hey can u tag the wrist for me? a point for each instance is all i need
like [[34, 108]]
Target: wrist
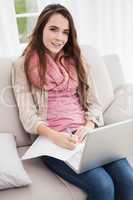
[[48, 132], [90, 124], [52, 135]]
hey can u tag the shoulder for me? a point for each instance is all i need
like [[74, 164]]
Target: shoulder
[[18, 63], [17, 69]]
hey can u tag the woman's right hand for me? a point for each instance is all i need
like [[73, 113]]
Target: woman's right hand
[[65, 140]]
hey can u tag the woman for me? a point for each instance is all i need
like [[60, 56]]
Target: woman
[[56, 95]]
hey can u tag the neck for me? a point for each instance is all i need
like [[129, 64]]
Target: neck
[[54, 56]]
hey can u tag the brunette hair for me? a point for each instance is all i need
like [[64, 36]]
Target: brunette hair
[[71, 49]]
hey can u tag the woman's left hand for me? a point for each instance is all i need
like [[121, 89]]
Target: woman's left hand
[[81, 131], [90, 124]]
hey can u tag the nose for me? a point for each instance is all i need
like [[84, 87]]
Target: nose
[[59, 36]]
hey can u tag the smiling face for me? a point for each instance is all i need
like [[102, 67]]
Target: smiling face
[[55, 34]]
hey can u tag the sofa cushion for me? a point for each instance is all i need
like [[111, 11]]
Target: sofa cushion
[[122, 106], [12, 173], [45, 184], [9, 113], [100, 75]]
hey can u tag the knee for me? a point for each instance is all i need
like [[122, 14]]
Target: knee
[[103, 188], [106, 187], [125, 174], [126, 179]]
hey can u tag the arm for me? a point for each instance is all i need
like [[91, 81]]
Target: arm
[[28, 113]]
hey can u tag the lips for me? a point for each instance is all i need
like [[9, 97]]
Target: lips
[[57, 44]]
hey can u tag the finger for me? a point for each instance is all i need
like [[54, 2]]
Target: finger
[[73, 138], [71, 146], [80, 135], [80, 138], [78, 131]]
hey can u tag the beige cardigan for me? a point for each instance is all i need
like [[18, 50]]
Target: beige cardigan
[[32, 104]]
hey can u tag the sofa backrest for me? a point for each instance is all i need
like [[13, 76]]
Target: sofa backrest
[[114, 68], [100, 76], [9, 119]]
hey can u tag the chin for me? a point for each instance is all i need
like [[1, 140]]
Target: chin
[[55, 52]]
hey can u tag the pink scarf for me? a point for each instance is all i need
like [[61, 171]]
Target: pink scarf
[[58, 77]]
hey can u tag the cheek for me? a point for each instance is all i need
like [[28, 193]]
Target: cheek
[[44, 37], [47, 36]]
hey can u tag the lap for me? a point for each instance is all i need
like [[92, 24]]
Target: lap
[[95, 177]]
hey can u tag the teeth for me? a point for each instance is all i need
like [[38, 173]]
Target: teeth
[[56, 44]]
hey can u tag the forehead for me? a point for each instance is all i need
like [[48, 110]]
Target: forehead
[[59, 21]]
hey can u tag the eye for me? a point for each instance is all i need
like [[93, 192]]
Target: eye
[[66, 33], [53, 29]]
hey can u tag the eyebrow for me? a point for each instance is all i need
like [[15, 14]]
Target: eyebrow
[[53, 26]]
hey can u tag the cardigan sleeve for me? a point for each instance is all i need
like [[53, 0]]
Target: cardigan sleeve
[[28, 112], [94, 112]]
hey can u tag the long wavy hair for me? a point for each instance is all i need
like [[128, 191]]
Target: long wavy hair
[[71, 49]]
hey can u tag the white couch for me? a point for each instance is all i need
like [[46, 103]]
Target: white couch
[[45, 184]]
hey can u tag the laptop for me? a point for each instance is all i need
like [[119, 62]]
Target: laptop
[[104, 145]]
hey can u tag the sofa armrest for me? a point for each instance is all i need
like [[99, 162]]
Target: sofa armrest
[[122, 106]]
